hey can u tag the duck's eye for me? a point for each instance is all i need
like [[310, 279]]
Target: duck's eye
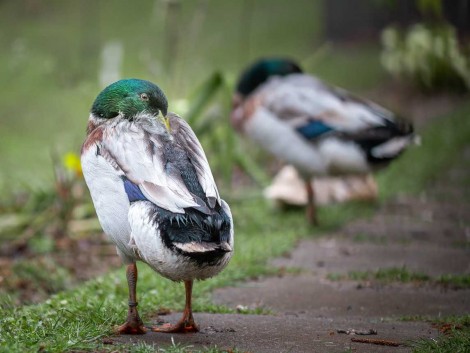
[[144, 96]]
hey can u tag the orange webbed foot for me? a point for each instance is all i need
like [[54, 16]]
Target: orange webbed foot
[[131, 328], [180, 327]]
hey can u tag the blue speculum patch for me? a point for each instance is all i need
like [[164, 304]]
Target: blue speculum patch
[[133, 191], [313, 129]]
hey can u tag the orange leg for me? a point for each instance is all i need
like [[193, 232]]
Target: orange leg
[[133, 324], [311, 209], [186, 323]]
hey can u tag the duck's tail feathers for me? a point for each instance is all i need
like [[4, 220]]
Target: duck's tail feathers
[[393, 147], [401, 136], [203, 247], [401, 126]]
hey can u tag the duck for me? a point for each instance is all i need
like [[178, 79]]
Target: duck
[[154, 194], [319, 129]]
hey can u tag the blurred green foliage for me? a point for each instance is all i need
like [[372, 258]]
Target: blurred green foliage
[[429, 56], [433, 7], [53, 54]]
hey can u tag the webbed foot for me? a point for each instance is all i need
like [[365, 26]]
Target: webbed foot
[[131, 328], [185, 325], [180, 327], [133, 324]]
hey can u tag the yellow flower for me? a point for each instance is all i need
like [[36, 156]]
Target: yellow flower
[[71, 162]]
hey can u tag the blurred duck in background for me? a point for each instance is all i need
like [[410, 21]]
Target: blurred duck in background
[[319, 129]]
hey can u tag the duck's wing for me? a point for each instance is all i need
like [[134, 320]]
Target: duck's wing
[[136, 151], [313, 108], [186, 138]]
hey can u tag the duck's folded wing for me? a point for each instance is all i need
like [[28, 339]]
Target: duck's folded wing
[[314, 109], [186, 138], [137, 156]]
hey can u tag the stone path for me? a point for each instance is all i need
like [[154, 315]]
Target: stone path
[[429, 234]]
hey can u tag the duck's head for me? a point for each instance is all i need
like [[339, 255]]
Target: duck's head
[[259, 72], [253, 77], [127, 98]]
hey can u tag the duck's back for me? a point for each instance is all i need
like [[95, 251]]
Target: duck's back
[[299, 98], [322, 129]]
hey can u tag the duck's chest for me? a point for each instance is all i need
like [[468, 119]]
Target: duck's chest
[[108, 195]]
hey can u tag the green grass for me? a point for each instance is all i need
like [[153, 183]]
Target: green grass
[[455, 337], [385, 275], [403, 275], [441, 147], [454, 281], [400, 275], [457, 342], [43, 275]]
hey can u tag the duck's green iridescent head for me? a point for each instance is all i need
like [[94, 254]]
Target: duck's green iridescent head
[[261, 70], [130, 97]]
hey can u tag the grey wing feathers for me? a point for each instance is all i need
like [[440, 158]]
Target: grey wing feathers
[[185, 136], [134, 153], [298, 98]]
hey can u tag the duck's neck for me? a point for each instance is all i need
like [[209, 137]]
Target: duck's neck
[[93, 123]]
